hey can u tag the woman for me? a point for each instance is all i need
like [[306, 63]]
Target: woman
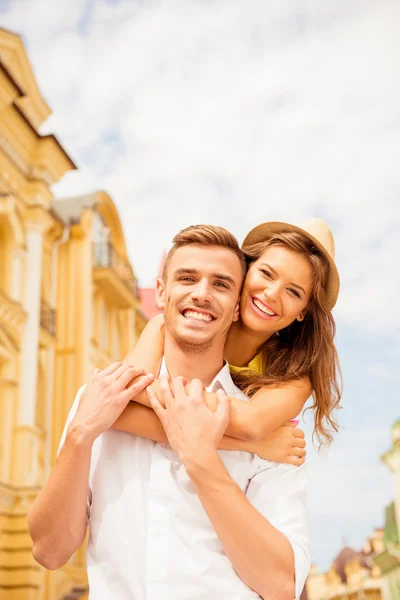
[[282, 346]]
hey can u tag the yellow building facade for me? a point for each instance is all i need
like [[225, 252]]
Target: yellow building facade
[[68, 304]]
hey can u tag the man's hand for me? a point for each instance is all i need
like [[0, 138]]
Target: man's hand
[[284, 445], [193, 430], [106, 396]]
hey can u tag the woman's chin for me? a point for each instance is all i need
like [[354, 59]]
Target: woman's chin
[[257, 325]]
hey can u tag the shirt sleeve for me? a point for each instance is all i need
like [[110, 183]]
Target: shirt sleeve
[[278, 492], [71, 415]]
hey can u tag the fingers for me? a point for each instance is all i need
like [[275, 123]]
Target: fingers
[[166, 390], [196, 390], [295, 460], [111, 368], [143, 382], [224, 407], [299, 433], [178, 387], [127, 375], [299, 443], [155, 404], [299, 452], [95, 372]]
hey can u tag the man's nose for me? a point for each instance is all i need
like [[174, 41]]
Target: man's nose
[[202, 291]]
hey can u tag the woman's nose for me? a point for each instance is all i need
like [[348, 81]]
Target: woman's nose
[[272, 291]]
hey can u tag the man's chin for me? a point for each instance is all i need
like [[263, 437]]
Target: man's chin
[[193, 342]]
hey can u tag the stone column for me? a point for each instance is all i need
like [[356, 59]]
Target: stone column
[[30, 340], [27, 440]]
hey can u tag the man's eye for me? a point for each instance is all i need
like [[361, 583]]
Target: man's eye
[[186, 279], [221, 284]]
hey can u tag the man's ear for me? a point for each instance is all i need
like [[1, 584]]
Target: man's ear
[[160, 293], [237, 311]]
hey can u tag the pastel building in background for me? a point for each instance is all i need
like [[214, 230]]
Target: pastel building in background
[[353, 574], [389, 560], [148, 295], [373, 572], [68, 303]]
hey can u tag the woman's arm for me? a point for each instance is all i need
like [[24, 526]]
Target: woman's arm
[[286, 445], [257, 418], [267, 410], [252, 420], [148, 351]]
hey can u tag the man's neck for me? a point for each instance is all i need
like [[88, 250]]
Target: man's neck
[[193, 365]]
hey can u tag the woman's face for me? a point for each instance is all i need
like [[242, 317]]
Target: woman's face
[[276, 290]]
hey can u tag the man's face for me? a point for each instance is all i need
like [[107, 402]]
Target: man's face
[[200, 296]]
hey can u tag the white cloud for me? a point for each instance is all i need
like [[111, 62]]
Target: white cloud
[[264, 113]]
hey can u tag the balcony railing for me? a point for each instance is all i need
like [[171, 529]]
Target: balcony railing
[[47, 317], [105, 256]]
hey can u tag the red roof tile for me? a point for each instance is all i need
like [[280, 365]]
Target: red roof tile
[[148, 302]]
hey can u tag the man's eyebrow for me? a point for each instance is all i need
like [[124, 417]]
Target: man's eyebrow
[[222, 276], [296, 285], [183, 271]]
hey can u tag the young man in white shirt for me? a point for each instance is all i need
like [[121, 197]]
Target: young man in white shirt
[[180, 521]]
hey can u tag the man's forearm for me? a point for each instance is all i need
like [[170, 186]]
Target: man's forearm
[[261, 555], [57, 519]]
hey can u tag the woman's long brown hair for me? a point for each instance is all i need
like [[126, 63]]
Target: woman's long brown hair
[[303, 349]]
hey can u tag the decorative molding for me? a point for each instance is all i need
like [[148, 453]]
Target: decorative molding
[[13, 154], [13, 317]]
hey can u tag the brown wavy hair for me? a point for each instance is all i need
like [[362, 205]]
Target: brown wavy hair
[[303, 349]]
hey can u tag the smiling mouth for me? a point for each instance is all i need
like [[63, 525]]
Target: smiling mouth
[[196, 315], [268, 312]]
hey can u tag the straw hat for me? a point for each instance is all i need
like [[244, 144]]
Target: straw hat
[[318, 232]]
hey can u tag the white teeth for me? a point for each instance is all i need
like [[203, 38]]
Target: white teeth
[[263, 309], [191, 314]]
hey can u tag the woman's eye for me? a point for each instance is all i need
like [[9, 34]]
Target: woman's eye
[[295, 292], [266, 273]]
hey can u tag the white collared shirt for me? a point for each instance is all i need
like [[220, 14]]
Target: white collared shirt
[[150, 537]]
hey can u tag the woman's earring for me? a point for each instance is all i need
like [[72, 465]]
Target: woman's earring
[[300, 318]]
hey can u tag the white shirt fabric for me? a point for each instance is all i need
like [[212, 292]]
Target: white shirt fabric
[[150, 537]]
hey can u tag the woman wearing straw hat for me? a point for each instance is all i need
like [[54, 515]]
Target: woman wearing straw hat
[[281, 351]]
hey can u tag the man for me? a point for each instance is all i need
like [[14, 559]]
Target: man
[[180, 521]]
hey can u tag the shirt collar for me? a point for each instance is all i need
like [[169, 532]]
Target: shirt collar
[[222, 380]]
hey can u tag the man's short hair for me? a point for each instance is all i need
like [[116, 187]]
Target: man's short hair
[[205, 235]]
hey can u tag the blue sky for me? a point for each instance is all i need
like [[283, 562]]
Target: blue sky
[[219, 111]]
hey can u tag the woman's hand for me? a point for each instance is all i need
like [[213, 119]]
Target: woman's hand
[[284, 445]]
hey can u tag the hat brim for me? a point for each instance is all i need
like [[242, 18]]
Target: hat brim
[[263, 232]]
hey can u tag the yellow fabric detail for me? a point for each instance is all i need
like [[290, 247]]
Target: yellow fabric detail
[[256, 365]]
